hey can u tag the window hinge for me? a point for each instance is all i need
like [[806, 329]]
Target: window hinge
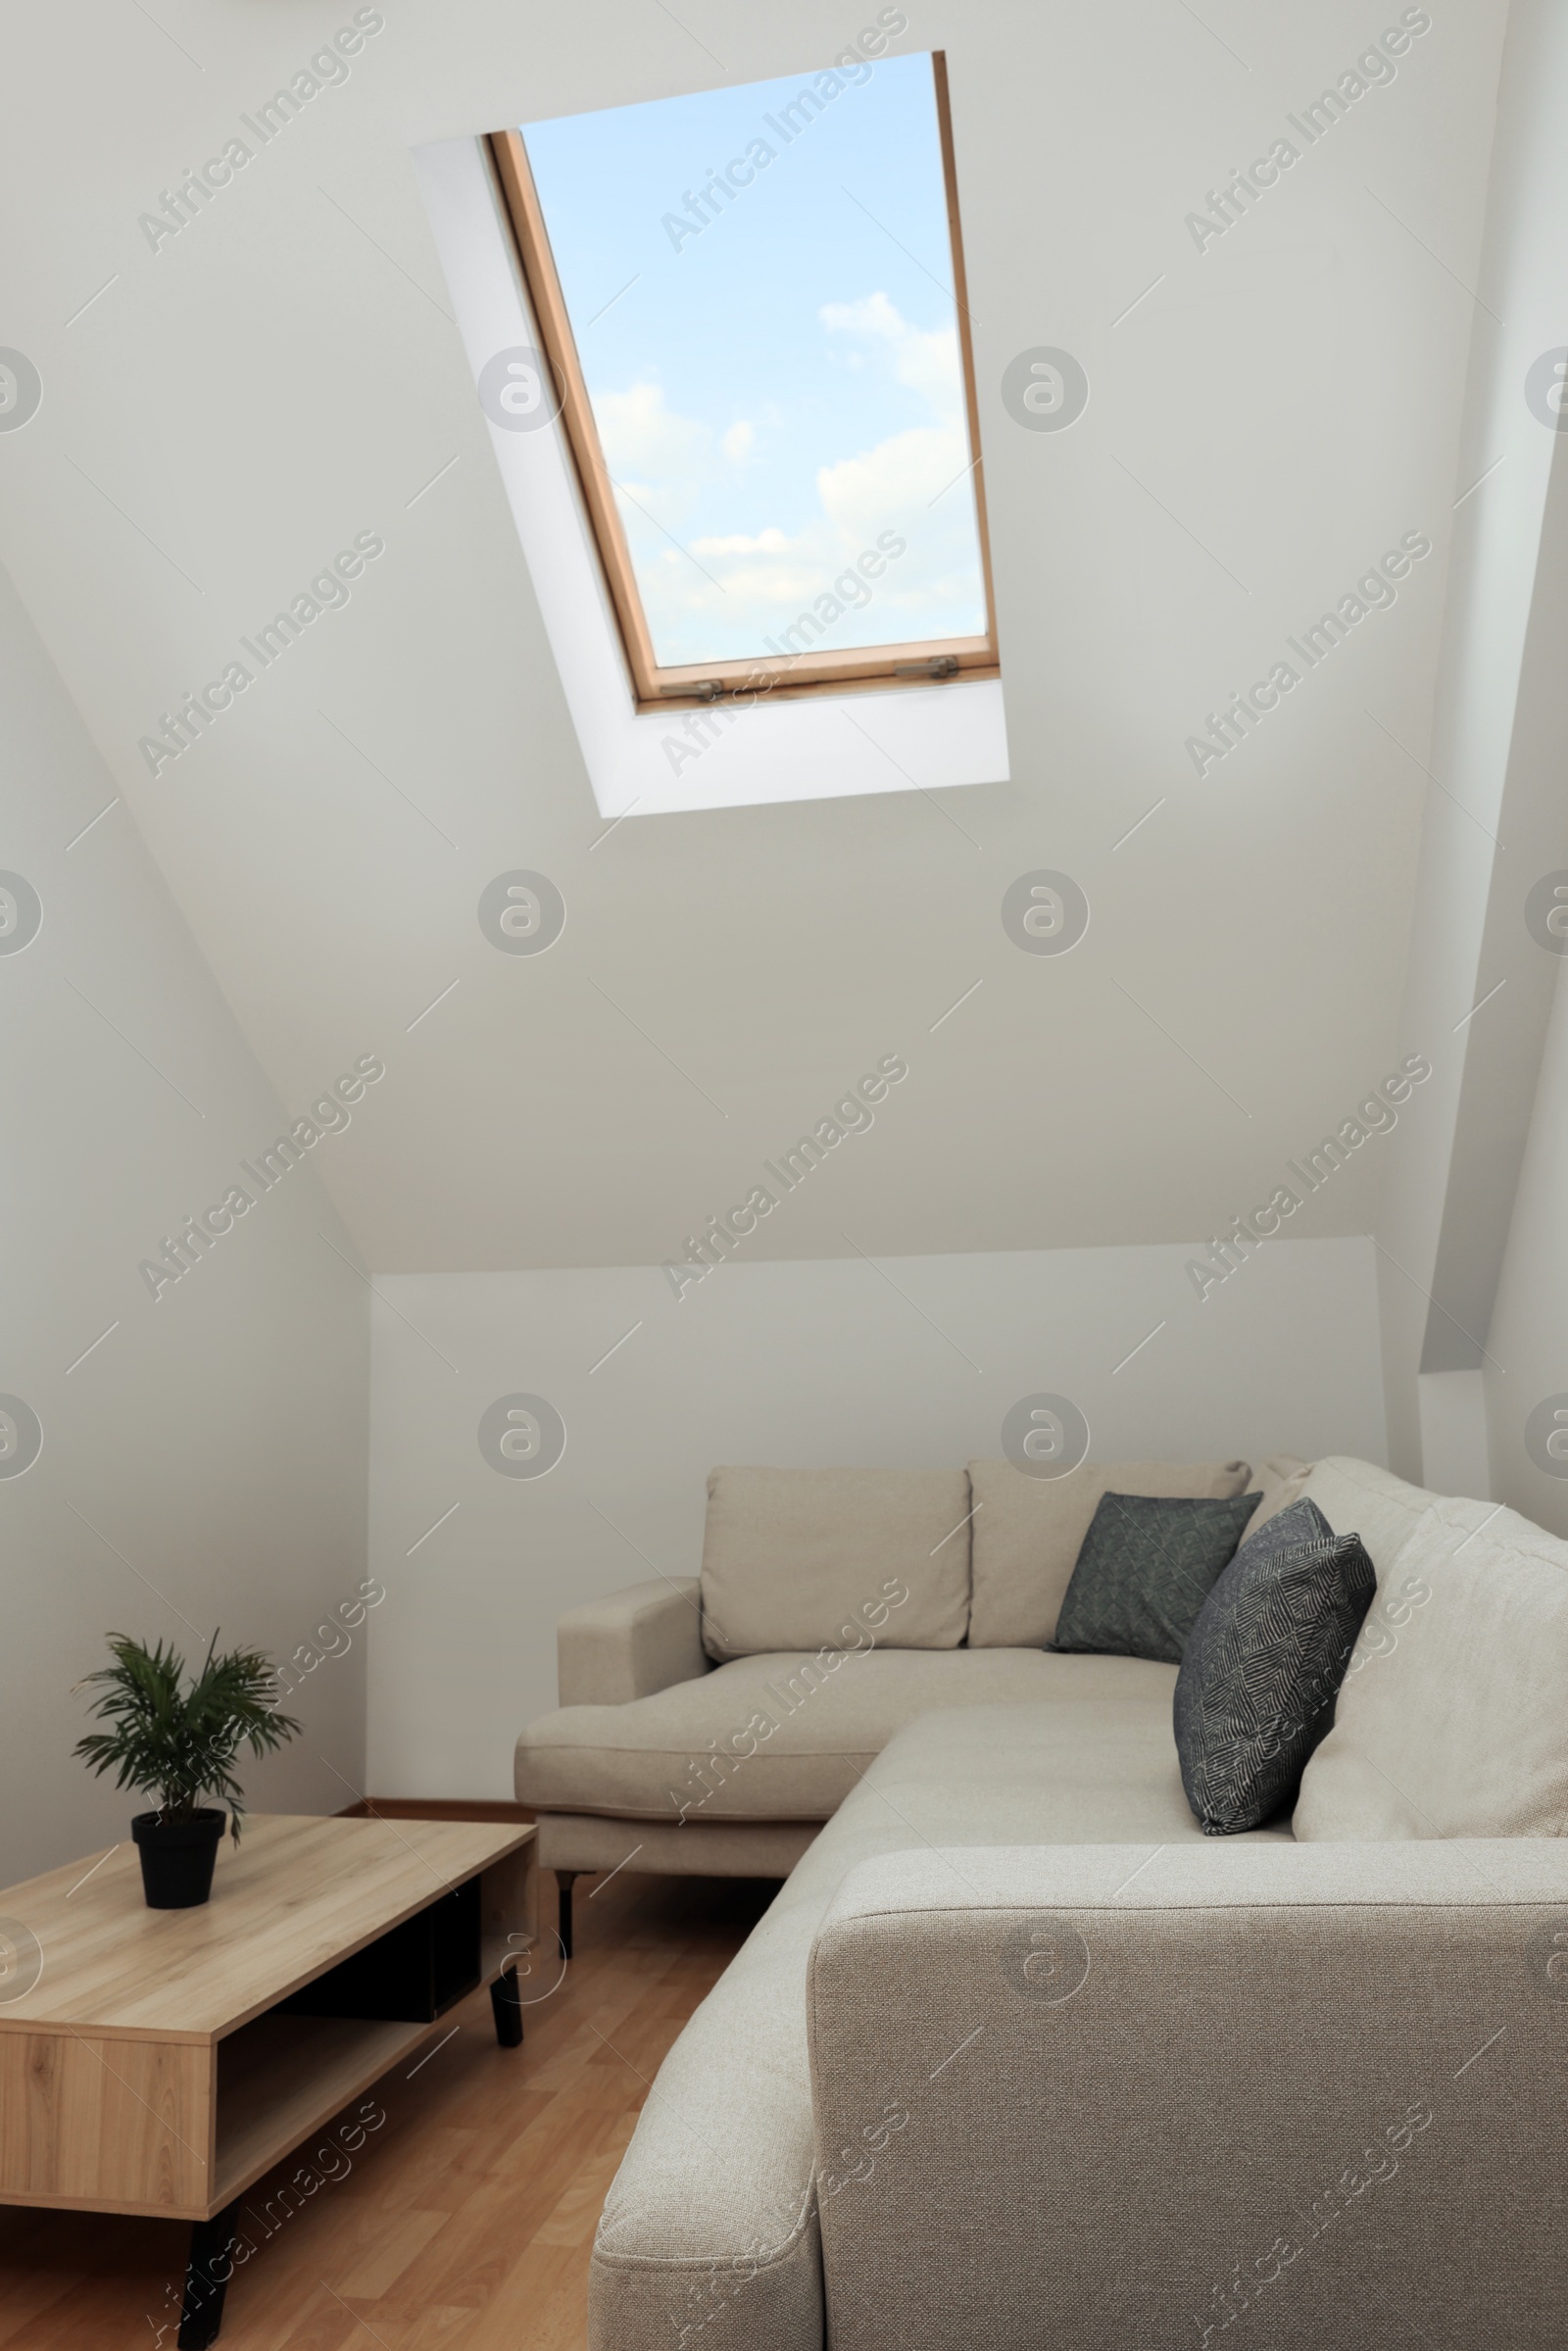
[[940, 665]]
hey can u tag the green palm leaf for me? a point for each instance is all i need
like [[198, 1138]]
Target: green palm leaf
[[180, 1744]]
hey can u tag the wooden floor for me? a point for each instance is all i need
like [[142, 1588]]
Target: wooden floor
[[466, 2220]]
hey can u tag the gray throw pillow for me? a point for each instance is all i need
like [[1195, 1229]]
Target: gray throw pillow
[[1146, 1567], [1263, 1670]]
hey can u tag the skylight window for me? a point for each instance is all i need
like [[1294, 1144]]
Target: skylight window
[[753, 303]]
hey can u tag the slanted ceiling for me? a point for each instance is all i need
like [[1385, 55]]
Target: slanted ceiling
[[1271, 408]]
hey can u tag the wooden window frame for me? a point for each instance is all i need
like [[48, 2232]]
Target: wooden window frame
[[862, 668]]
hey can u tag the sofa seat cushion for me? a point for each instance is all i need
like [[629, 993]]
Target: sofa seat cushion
[[1103, 1771], [1028, 1533], [787, 1737], [806, 1559], [1452, 1721], [716, 2183]]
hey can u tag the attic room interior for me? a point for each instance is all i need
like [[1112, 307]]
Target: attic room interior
[[784, 1411]]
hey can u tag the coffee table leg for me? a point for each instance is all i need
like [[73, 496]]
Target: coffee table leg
[[507, 2006], [212, 2265]]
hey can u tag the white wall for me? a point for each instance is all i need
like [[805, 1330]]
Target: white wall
[[203, 1466], [1497, 818], [1527, 1345], [1456, 1455], [909, 1361]]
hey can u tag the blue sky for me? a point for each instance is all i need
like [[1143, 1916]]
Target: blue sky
[[781, 388]]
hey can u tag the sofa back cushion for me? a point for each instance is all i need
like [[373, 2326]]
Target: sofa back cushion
[[1028, 1533], [1451, 1719], [1280, 1482], [1356, 1498], [835, 1560]]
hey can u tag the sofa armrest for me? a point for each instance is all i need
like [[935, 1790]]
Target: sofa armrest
[[1091, 2095], [631, 1643]]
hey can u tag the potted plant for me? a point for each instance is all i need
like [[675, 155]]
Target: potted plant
[[178, 1745]]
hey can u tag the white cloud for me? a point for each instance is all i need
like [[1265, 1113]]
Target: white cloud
[[901, 476], [736, 588], [926, 363], [650, 440], [767, 542]]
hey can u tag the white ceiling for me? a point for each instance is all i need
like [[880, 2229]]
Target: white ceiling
[[1276, 411]]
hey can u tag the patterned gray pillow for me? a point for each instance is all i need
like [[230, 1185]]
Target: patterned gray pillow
[[1263, 1670], [1146, 1567]]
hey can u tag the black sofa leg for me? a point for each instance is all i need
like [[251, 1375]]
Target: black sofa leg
[[564, 1879], [211, 2264], [506, 2005]]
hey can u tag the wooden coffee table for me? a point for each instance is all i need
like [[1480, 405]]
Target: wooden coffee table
[[160, 2061]]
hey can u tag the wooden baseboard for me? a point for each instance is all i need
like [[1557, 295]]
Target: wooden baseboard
[[435, 1808]]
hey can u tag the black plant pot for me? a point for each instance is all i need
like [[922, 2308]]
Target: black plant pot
[[177, 1858]]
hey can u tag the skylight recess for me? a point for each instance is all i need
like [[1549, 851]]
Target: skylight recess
[[753, 305]]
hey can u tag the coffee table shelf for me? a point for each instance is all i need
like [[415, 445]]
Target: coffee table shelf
[[281, 2078]]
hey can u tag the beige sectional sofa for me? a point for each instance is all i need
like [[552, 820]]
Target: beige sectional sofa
[[711, 1724], [1017, 2056]]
